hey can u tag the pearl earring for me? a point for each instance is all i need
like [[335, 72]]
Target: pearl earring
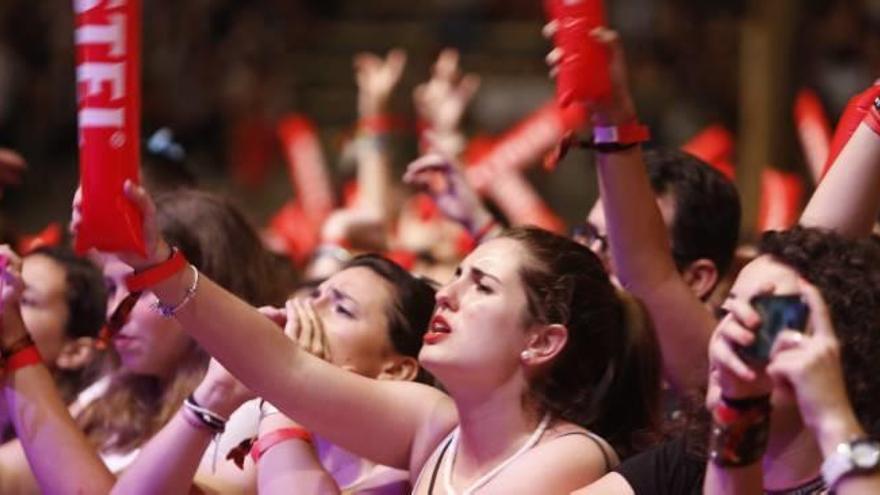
[[527, 354]]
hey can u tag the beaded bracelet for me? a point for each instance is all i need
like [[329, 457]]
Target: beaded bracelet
[[168, 311]]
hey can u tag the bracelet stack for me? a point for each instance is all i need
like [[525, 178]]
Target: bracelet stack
[[204, 418], [740, 429], [140, 281]]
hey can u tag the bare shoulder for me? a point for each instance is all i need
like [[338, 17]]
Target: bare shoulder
[[567, 458], [610, 484]]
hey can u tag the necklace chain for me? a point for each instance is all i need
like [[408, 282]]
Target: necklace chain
[[479, 483]]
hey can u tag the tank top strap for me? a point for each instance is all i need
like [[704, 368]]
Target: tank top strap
[[437, 456], [600, 442]]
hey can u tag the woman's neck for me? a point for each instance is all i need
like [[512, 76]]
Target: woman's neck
[[493, 426]]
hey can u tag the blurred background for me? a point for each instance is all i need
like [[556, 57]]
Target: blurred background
[[220, 73]]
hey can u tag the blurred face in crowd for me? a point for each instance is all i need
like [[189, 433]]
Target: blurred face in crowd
[[352, 306], [147, 343], [44, 304], [595, 231]]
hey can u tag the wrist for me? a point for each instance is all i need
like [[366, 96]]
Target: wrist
[[615, 114], [370, 107], [275, 421], [835, 429], [220, 399]]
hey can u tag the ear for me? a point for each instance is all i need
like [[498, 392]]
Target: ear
[[543, 344], [701, 276], [76, 353], [397, 367]]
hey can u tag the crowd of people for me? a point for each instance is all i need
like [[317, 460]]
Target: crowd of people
[[644, 353]]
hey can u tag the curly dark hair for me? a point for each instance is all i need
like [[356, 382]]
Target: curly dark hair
[[707, 207], [607, 378], [847, 273]]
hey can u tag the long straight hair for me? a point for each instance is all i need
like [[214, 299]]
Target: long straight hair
[[217, 239]]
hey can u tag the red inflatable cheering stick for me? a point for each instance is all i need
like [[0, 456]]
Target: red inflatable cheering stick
[[583, 69], [107, 42]]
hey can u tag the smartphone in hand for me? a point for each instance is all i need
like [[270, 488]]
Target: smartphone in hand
[[777, 313]]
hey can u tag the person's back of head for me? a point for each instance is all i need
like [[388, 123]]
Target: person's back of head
[[847, 273], [707, 207], [607, 377], [218, 240]]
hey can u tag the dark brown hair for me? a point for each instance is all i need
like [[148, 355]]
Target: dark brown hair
[[409, 313], [607, 378], [218, 240], [86, 298]]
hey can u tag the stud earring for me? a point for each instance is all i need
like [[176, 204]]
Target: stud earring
[[527, 354]]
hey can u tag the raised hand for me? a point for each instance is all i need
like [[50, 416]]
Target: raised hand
[[442, 100], [11, 283], [376, 78], [619, 108], [444, 181], [306, 328], [301, 324], [735, 378], [809, 364]]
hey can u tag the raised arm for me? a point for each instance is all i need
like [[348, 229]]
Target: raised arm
[[60, 457], [848, 198], [640, 245], [405, 419], [441, 103], [376, 79]]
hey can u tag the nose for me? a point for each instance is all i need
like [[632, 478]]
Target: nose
[[447, 297]]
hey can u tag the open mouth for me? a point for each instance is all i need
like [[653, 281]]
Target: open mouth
[[438, 330]]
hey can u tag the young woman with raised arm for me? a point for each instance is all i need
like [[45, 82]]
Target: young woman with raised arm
[[528, 339]]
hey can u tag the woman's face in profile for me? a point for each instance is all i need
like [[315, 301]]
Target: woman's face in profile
[[478, 329], [353, 306], [762, 276], [147, 344]]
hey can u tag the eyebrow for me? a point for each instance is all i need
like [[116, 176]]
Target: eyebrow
[[480, 273], [338, 294]]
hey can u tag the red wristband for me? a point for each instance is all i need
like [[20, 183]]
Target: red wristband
[[269, 440], [137, 282], [872, 118], [28, 356], [378, 124]]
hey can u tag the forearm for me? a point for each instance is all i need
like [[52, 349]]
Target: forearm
[[374, 175], [326, 399], [637, 235], [643, 263], [168, 462], [291, 463], [848, 198], [61, 458], [733, 481]]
